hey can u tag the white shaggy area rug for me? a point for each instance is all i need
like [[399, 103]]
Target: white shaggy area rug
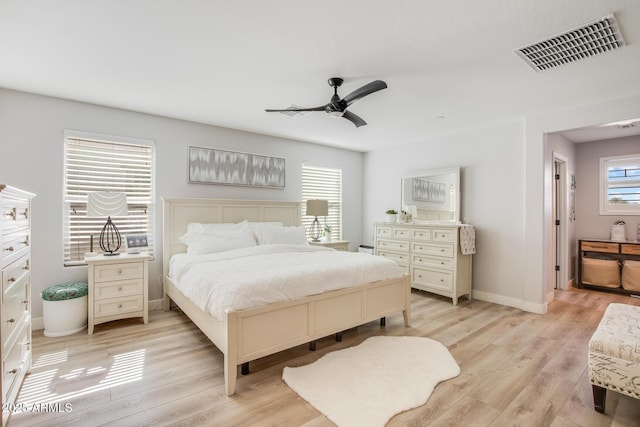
[[368, 384]]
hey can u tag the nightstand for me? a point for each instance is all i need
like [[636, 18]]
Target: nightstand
[[118, 288], [340, 245]]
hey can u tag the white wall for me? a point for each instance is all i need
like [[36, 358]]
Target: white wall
[[590, 223], [31, 136], [492, 199]]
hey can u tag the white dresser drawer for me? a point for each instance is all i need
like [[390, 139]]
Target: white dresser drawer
[[423, 234], [14, 245], [401, 259], [121, 288], [15, 271], [384, 232], [401, 233], [15, 308], [118, 306], [444, 250], [15, 364], [15, 213], [121, 271], [437, 279], [427, 261], [445, 235], [393, 245]]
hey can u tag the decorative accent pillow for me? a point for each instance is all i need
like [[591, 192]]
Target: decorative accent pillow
[[283, 235], [207, 243]]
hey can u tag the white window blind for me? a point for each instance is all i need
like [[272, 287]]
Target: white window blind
[[97, 165], [324, 184]]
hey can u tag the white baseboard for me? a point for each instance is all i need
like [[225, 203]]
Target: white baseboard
[[510, 302], [37, 323]]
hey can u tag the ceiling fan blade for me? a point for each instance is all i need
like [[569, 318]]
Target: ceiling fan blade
[[321, 108], [354, 118], [364, 91]]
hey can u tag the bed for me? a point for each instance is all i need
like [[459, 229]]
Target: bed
[[248, 334]]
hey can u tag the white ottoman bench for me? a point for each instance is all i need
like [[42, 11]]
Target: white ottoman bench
[[614, 354]]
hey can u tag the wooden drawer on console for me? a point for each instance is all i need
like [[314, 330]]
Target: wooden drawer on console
[[15, 307], [15, 213], [606, 247], [629, 249]]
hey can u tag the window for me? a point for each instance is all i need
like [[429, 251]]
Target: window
[[620, 185], [325, 184], [98, 163]]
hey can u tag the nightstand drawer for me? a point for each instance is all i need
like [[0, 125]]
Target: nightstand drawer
[[118, 306], [122, 271], [121, 288]]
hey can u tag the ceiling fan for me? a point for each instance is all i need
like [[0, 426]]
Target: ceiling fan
[[338, 107]]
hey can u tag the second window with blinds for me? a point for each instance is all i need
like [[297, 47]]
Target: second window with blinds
[[325, 184], [103, 163]]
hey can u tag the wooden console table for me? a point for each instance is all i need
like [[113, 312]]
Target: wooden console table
[[606, 250]]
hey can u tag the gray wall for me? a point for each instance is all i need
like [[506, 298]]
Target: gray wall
[[589, 222], [31, 136]]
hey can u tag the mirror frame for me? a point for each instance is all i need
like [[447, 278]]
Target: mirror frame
[[432, 172]]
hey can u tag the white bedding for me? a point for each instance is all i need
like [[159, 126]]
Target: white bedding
[[251, 277]]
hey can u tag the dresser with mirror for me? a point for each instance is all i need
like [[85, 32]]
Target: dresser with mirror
[[427, 242]]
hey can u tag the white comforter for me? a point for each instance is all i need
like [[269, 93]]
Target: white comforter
[[251, 277]]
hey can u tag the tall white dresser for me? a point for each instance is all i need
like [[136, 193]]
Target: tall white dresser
[[15, 260], [430, 254]]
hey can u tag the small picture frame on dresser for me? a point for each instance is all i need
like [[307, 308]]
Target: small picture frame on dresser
[[136, 243]]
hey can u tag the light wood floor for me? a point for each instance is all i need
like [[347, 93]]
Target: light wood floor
[[518, 369]]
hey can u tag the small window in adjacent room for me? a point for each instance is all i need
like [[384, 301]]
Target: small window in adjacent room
[[324, 184], [104, 163], [620, 185]]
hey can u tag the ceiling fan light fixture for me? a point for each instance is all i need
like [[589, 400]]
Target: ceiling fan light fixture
[[336, 113]]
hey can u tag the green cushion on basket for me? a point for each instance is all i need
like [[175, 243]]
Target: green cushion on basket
[[65, 291]]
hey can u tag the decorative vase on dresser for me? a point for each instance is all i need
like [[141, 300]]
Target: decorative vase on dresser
[[15, 235], [430, 253]]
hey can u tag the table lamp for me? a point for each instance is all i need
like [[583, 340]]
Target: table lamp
[[106, 203], [316, 208]]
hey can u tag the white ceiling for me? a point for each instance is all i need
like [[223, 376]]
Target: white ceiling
[[450, 66]]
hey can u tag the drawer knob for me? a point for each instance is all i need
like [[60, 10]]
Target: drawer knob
[[9, 249], [11, 213], [11, 320], [11, 279], [119, 288], [441, 263], [26, 301], [119, 305], [442, 250], [119, 271], [13, 371]]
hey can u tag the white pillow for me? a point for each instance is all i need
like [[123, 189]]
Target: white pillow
[[260, 227], [215, 227], [283, 235], [207, 243]]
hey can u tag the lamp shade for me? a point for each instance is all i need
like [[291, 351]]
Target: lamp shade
[[107, 203], [317, 207]]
